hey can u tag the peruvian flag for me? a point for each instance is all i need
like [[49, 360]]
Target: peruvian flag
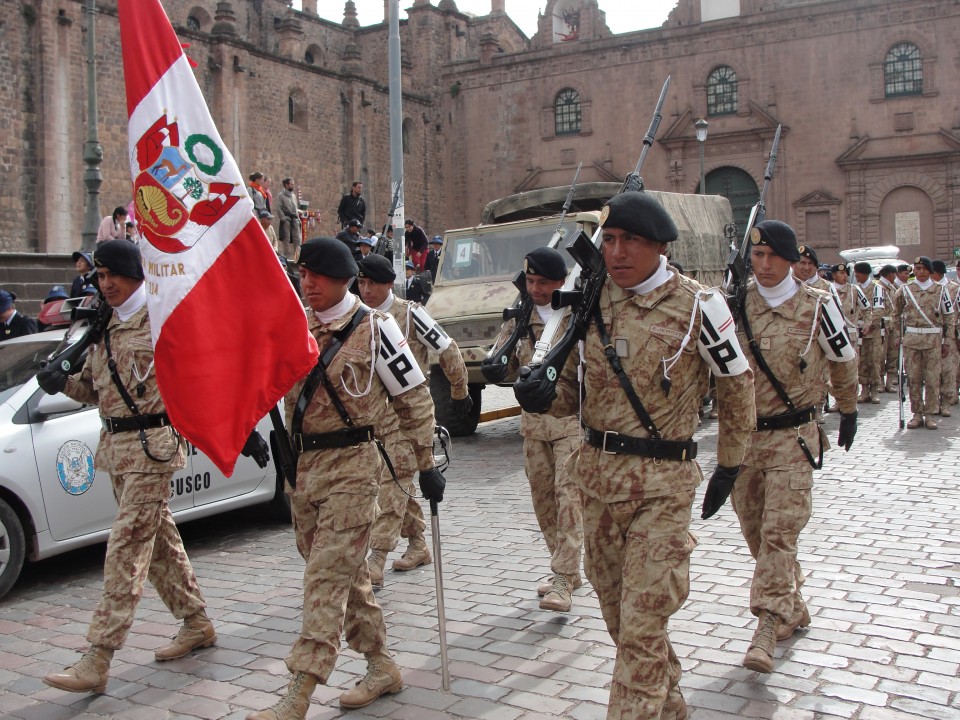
[[229, 333]]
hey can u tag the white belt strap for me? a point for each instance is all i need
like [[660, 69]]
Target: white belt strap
[[923, 331]]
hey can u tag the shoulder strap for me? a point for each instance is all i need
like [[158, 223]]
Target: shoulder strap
[[115, 376], [762, 364], [913, 300], [319, 374]]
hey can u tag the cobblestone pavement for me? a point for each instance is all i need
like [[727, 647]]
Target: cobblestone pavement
[[881, 553]]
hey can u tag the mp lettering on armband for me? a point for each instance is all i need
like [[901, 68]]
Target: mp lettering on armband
[[718, 342], [862, 299], [395, 365], [833, 337], [947, 303], [879, 297], [429, 330]]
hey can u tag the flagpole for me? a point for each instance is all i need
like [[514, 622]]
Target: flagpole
[[396, 146], [92, 150]]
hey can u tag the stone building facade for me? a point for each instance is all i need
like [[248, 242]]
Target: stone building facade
[[865, 91]]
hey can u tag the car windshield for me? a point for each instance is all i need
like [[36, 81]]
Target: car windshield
[[491, 253], [20, 361]]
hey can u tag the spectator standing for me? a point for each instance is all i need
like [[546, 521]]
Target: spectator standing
[[113, 227], [415, 241], [350, 236], [258, 193], [84, 264], [433, 256], [352, 206], [366, 245], [266, 223], [288, 208], [12, 323], [415, 290]]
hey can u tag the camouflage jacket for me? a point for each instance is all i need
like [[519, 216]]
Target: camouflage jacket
[[132, 349], [873, 309], [935, 304]]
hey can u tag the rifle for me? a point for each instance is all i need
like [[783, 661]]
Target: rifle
[[494, 365], [536, 387], [283, 448], [93, 319], [738, 265], [900, 381]]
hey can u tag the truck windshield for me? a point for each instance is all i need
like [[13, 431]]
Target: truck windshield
[[494, 253]]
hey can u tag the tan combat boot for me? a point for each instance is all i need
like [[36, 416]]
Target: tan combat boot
[[944, 409], [293, 705], [915, 422], [547, 585], [800, 619], [930, 423], [197, 632], [383, 676], [375, 563], [415, 556], [864, 395], [759, 656], [559, 599], [675, 708], [875, 394], [88, 674]]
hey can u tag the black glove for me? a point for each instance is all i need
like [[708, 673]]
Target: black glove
[[534, 396], [463, 406], [718, 490], [257, 448], [848, 430], [432, 484], [52, 380]]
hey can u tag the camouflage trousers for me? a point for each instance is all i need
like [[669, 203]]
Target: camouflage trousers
[[773, 506], [923, 379], [891, 351], [556, 500], [333, 536], [395, 496], [638, 561], [144, 544], [949, 364], [871, 361]]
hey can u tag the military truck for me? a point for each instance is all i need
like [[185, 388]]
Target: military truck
[[473, 284]]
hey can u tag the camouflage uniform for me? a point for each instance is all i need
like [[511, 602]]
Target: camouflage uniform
[[144, 542], [400, 511], [950, 354], [772, 495], [873, 300], [890, 362], [335, 502], [636, 509], [547, 444], [923, 341]]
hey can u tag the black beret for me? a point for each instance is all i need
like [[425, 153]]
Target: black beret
[[639, 213], [939, 266], [887, 270], [925, 261], [840, 267], [121, 257], [862, 267], [546, 262], [327, 256], [808, 252], [778, 236], [903, 266], [377, 268]]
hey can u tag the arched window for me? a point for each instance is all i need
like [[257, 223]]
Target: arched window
[[903, 71], [738, 187], [313, 55], [721, 91], [193, 23], [297, 108], [567, 112], [199, 20]]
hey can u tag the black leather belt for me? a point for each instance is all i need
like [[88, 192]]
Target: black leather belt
[[786, 420], [615, 443], [134, 422], [336, 439]]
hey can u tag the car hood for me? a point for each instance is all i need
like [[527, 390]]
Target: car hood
[[449, 302]]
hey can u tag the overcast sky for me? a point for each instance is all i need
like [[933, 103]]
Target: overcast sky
[[622, 15]]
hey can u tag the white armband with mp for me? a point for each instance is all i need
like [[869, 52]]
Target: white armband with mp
[[396, 366], [429, 330], [833, 336], [718, 342]]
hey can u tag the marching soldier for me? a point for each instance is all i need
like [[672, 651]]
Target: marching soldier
[[140, 450], [903, 275], [890, 366], [950, 355], [548, 442], [851, 305], [795, 335], [928, 317], [658, 334], [873, 308], [805, 270], [332, 414], [400, 513]]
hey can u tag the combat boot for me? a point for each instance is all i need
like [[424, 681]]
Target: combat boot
[[759, 657], [88, 674], [864, 395], [375, 565], [800, 619], [915, 422], [196, 632], [293, 705], [383, 676], [559, 599], [675, 708], [944, 409], [930, 423], [875, 394], [415, 556], [545, 587]]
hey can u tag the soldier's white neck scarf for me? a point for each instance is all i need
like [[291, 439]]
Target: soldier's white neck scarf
[[925, 284], [337, 311], [812, 280], [659, 277], [781, 292], [387, 303], [867, 283], [132, 304], [942, 281], [545, 312]]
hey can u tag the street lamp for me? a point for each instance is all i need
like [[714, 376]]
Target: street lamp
[[701, 128]]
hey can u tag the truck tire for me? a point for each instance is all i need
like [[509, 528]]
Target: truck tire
[[13, 548], [443, 406]]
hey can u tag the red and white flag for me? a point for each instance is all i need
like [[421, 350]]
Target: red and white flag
[[230, 335]]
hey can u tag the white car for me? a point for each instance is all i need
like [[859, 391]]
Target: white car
[[52, 500]]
